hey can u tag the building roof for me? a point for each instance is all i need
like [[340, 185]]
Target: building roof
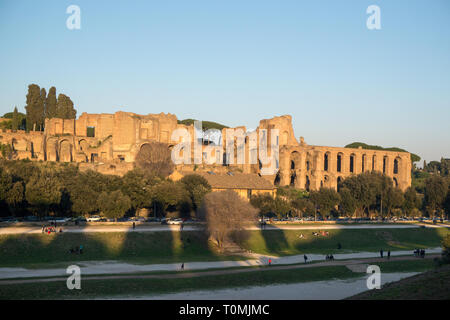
[[235, 180]]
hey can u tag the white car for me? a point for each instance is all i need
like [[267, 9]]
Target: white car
[[174, 221], [93, 219]]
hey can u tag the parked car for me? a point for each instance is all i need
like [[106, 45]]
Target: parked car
[[61, 220], [93, 219], [175, 221]]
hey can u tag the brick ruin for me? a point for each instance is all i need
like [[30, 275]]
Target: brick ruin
[[109, 143]]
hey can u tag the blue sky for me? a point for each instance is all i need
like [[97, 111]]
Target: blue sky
[[236, 62]]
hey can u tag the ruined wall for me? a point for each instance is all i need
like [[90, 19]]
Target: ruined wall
[[111, 143]]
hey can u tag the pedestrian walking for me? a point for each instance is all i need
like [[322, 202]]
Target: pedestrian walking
[[389, 254], [182, 266], [134, 225], [81, 249], [305, 257], [381, 253], [270, 262]]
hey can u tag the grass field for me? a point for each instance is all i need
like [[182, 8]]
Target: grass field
[[288, 242], [123, 287], [136, 287], [431, 285], [36, 250], [161, 247]]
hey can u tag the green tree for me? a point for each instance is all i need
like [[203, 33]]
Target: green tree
[[393, 199], [302, 207], [114, 204], [197, 187], [51, 110], [411, 202], [348, 203], [33, 107], [325, 200], [15, 119], [436, 189], [137, 187], [169, 194], [15, 196], [65, 109], [43, 192]]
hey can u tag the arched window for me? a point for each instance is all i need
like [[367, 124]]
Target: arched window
[[395, 166], [395, 182], [307, 183], [374, 160], [339, 163], [292, 164], [307, 165], [352, 163], [325, 162], [277, 180], [384, 163], [363, 163], [293, 180]]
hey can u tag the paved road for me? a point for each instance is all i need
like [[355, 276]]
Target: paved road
[[175, 228], [347, 263]]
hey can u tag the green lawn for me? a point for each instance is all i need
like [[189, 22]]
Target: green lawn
[[432, 285], [41, 250], [36, 250], [136, 287], [124, 287], [288, 242]]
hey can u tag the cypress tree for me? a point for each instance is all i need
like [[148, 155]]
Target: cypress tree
[[50, 104], [15, 119], [33, 97], [41, 110], [65, 109]]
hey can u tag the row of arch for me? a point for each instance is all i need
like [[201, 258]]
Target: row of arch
[[352, 163]]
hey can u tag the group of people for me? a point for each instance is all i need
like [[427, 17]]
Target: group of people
[[388, 254], [419, 253], [329, 257], [77, 250], [320, 233]]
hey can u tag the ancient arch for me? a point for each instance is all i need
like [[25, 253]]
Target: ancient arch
[[284, 138], [326, 161], [396, 164], [65, 151], [339, 162], [363, 162], [277, 179], [352, 163], [385, 164], [295, 160], [374, 161], [395, 182]]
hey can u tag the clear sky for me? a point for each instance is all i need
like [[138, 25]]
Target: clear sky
[[239, 61]]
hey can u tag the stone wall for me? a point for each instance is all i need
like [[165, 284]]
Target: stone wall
[[111, 142]]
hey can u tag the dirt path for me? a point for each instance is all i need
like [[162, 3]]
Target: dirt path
[[182, 275]]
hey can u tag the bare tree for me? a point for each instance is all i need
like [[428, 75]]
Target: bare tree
[[226, 213], [154, 159]]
